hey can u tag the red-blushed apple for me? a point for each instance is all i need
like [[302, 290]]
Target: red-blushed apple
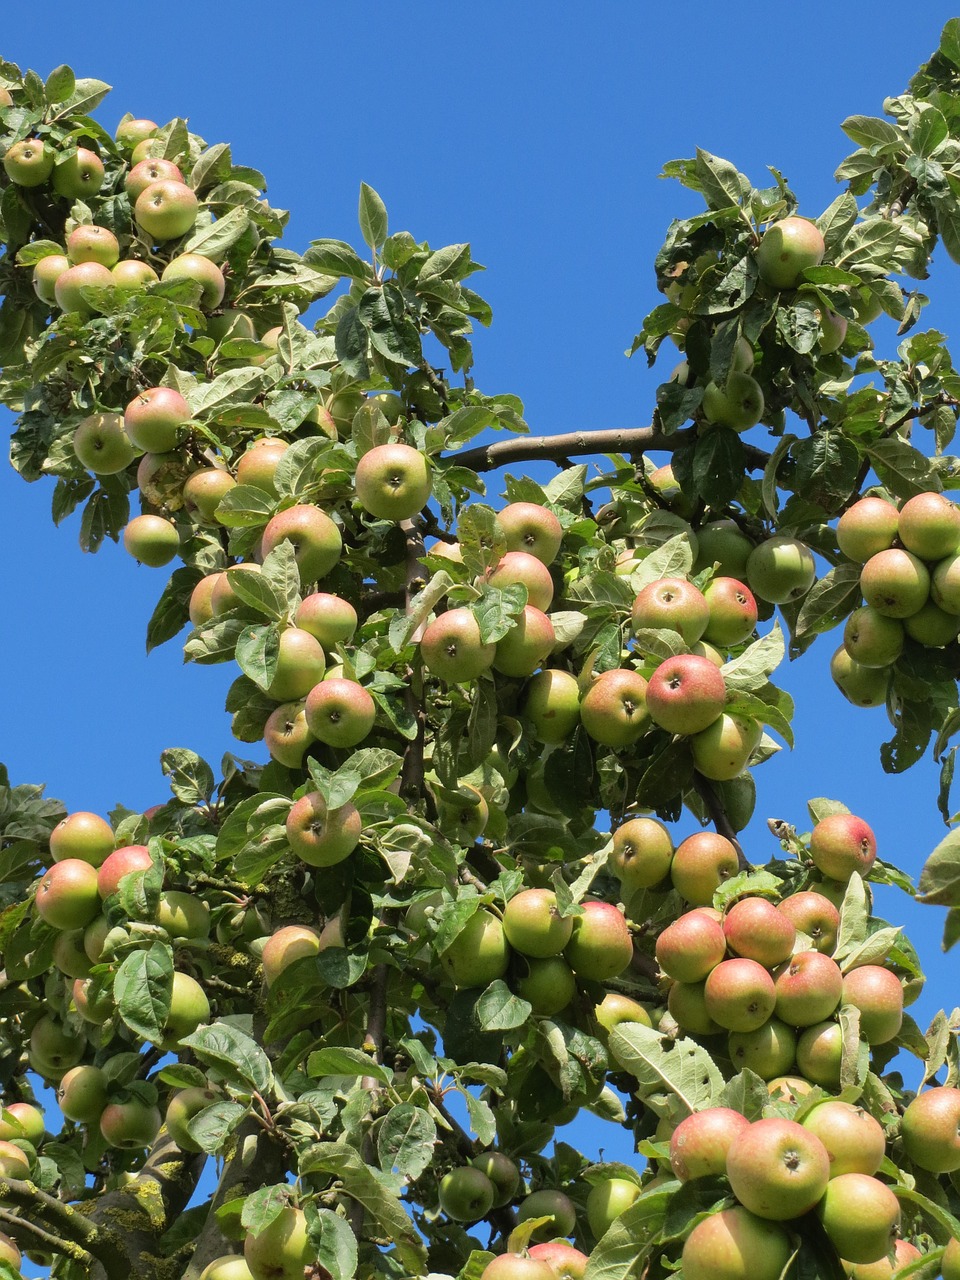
[[200, 609], [685, 694], [700, 865], [781, 569], [14, 1161], [8, 1248], [769, 1050], [130, 132], [257, 466], [79, 176], [903, 1254], [340, 712], [22, 1122], [204, 490], [600, 946], [872, 639], [223, 598], [67, 895], [950, 1263], [641, 855], [315, 539], [690, 947], [92, 1002], [301, 663], [866, 528], [673, 604], [722, 751], [479, 953], [530, 527], [82, 835], [392, 481], [895, 582], [465, 820], [552, 705], [527, 645], [854, 1140], [565, 1261], [119, 863], [151, 540], [700, 1142], [70, 284], [452, 648], [54, 1047], [739, 994], [89, 243], [860, 1214], [613, 710], [195, 267], [820, 1052], [533, 924], [755, 928], [515, 1266], [877, 993], [929, 526], [320, 836], [808, 987], [330, 618], [146, 172], [166, 209], [28, 163], [102, 445], [154, 417], [520, 567], [930, 1129], [287, 735], [46, 273], [816, 916], [734, 1244], [777, 1169], [842, 843], [787, 248], [733, 612], [287, 945], [788, 1089]]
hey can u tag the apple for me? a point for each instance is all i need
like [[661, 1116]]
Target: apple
[[527, 645], [314, 537], [182, 1107], [79, 176], [67, 895], [734, 1244], [895, 582], [860, 1214], [758, 930], [452, 648], [552, 705], [808, 987], [514, 1266], [92, 1004], [778, 1169], [833, 326], [723, 750], [685, 694], [781, 569], [281, 1250], [700, 865], [877, 993], [161, 477], [464, 820], [146, 172], [69, 955], [82, 1094], [189, 1007], [616, 1008], [929, 526], [119, 863], [566, 1262], [732, 612], [82, 835], [533, 528], [479, 953], [950, 1262], [229, 1266], [860, 685], [102, 445], [392, 481], [722, 545], [553, 1204], [819, 1052], [739, 994], [548, 985], [166, 210], [14, 1162], [300, 665], [866, 528], [329, 618], [842, 843], [90, 243], [789, 1089], [182, 914], [23, 1122], [872, 639], [690, 947], [230, 324], [466, 1194], [287, 735], [130, 132], [816, 916], [319, 836], [769, 1050], [854, 1140], [600, 945], [69, 286], [787, 248], [151, 540], [502, 1172], [738, 404], [673, 604], [46, 274], [904, 1253], [944, 583], [521, 568], [204, 490], [28, 163], [613, 710], [223, 598], [200, 608], [284, 947], [700, 1142], [153, 418], [932, 627], [8, 1248], [340, 712], [686, 1002], [930, 1129], [54, 1047], [95, 938], [607, 1200], [195, 267], [664, 482], [641, 855], [533, 924]]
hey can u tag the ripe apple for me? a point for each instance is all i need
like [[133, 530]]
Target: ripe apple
[[146, 172], [514, 1266], [392, 481], [723, 545], [28, 163], [819, 1052], [641, 855], [466, 1194], [613, 711], [121, 862], [690, 947], [566, 1262], [548, 985], [14, 1161], [287, 735], [93, 1004], [195, 267], [166, 210], [452, 648], [778, 1169], [809, 987], [673, 604], [530, 527], [22, 1122], [153, 418], [151, 540], [527, 645], [739, 994], [737, 404], [182, 914], [854, 1140], [930, 1129], [200, 608], [552, 705], [69, 286], [600, 946], [816, 916], [860, 1215], [866, 528], [732, 612], [281, 1250], [79, 176], [502, 1172], [90, 243], [46, 274], [929, 526], [700, 865], [314, 537], [904, 1253], [479, 953], [755, 928], [82, 835], [700, 1142], [944, 583], [768, 1051], [182, 1107], [340, 712], [607, 1200], [895, 582], [685, 694], [842, 843], [877, 993], [329, 618], [519, 567], [734, 1244], [781, 569], [787, 248], [533, 924], [67, 895], [284, 947], [872, 639], [723, 750], [258, 465], [189, 1007], [102, 445], [319, 836], [82, 1094]]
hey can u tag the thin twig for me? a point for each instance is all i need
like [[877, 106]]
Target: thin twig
[[718, 816]]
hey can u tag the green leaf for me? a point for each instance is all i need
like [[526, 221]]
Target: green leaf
[[232, 1054], [720, 183], [211, 1127], [750, 671], [403, 625], [61, 84], [674, 559], [718, 465], [829, 600], [344, 1061], [246, 506], [405, 1142], [264, 1206], [258, 651], [215, 240], [940, 877], [86, 95], [498, 1009], [902, 468], [383, 313], [872, 132], [337, 258], [333, 1241], [191, 778], [666, 1069], [171, 613], [373, 217], [498, 609], [142, 989]]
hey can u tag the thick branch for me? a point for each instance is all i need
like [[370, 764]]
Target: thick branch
[[29, 1233], [633, 441], [718, 816]]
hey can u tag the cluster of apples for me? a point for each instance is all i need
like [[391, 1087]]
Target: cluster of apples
[[910, 582]]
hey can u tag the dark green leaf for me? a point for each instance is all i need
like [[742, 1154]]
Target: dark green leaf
[[373, 217], [142, 989]]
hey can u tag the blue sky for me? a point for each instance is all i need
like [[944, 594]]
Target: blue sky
[[537, 133]]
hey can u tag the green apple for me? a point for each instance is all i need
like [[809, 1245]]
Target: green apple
[[895, 582], [82, 1094], [28, 163], [866, 528], [466, 1194], [533, 924], [452, 648], [46, 274], [82, 835], [281, 1250], [769, 1050], [738, 404], [393, 481], [319, 836], [700, 865], [863, 686], [195, 267], [600, 945], [102, 445], [479, 953], [930, 1129], [787, 248], [145, 173], [854, 1140], [79, 176], [527, 645], [723, 750], [552, 705], [860, 1214], [533, 528], [151, 540], [780, 569], [871, 638], [724, 545], [166, 210], [70, 284], [607, 1200], [90, 243], [641, 855], [330, 618], [929, 526], [315, 538]]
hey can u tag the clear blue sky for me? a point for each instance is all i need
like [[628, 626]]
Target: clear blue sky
[[537, 133]]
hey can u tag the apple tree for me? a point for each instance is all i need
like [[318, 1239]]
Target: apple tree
[[320, 1014]]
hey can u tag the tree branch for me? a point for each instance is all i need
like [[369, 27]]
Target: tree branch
[[718, 816], [18, 1228]]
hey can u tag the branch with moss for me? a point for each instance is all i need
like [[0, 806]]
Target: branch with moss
[[70, 1229], [30, 1234]]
